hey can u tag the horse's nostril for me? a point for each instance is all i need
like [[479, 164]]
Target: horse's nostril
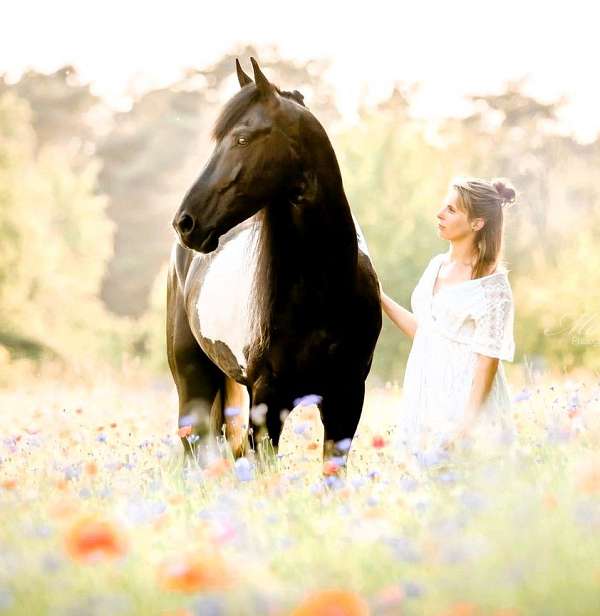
[[185, 224]]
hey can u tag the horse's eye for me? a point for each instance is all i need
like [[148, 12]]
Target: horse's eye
[[241, 140]]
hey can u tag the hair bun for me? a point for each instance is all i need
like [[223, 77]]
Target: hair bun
[[505, 190]]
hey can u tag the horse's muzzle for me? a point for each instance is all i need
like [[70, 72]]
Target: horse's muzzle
[[192, 237]]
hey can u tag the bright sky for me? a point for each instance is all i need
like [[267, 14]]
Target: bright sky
[[452, 48]]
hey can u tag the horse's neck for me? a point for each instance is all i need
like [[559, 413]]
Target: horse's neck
[[313, 251], [306, 269]]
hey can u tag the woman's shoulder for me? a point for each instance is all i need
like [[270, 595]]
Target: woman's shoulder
[[437, 259], [496, 284]]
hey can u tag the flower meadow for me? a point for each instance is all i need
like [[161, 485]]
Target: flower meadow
[[99, 515]]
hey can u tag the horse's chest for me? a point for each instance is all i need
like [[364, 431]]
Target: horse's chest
[[223, 303]]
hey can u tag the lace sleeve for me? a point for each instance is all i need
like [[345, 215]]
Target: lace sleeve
[[494, 324]]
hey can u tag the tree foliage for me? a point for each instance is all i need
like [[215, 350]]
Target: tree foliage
[[87, 196]]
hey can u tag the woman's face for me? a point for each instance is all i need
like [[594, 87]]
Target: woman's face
[[453, 223]]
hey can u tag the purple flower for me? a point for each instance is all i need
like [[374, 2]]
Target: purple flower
[[50, 563], [257, 413], [232, 411], [453, 554], [334, 482], [358, 482], [473, 501], [574, 400], [301, 428], [102, 438], [447, 477], [432, 458], [144, 511], [587, 514], [208, 606], [243, 469], [408, 485], [344, 444], [413, 590], [556, 435], [308, 400], [403, 549], [72, 472], [188, 420], [524, 394]]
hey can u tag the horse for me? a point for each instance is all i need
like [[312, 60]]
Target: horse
[[271, 293]]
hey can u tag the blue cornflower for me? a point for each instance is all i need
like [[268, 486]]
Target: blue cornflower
[[301, 428], [243, 469], [413, 590], [524, 394], [72, 472], [232, 411], [344, 444], [308, 400], [188, 420]]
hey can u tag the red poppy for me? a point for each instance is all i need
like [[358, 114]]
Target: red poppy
[[378, 442], [92, 538], [330, 468], [194, 573], [334, 602]]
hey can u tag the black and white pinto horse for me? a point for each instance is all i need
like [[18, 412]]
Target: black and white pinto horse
[[271, 293]]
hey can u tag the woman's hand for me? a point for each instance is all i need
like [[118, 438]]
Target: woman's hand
[[456, 441], [401, 317], [461, 436]]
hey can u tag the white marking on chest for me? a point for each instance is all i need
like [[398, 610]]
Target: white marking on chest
[[223, 305], [224, 300]]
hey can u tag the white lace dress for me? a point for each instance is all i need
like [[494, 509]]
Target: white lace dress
[[453, 326]]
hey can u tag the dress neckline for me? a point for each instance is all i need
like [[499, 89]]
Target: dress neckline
[[456, 284]]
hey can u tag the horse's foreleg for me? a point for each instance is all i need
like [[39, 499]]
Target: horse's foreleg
[[341, 409], [237, 415], [197, 379]]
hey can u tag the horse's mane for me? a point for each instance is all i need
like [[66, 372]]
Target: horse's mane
[[267, 278], [264, 291]]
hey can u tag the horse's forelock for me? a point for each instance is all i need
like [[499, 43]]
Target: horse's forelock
[[234, 109], [239, 104]]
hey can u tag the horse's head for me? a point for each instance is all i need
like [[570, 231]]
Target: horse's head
[[254, 161]]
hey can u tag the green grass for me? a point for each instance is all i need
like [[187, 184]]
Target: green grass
[[514, 529]]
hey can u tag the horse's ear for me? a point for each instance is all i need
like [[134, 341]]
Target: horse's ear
[[242, 77], [262, 83]]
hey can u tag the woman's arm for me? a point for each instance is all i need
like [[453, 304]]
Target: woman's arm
[[401, 317], [483, 379]]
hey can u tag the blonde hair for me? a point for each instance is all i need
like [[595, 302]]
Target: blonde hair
[[485, 199]]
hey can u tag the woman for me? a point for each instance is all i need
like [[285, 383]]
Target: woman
[[462, 325]]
